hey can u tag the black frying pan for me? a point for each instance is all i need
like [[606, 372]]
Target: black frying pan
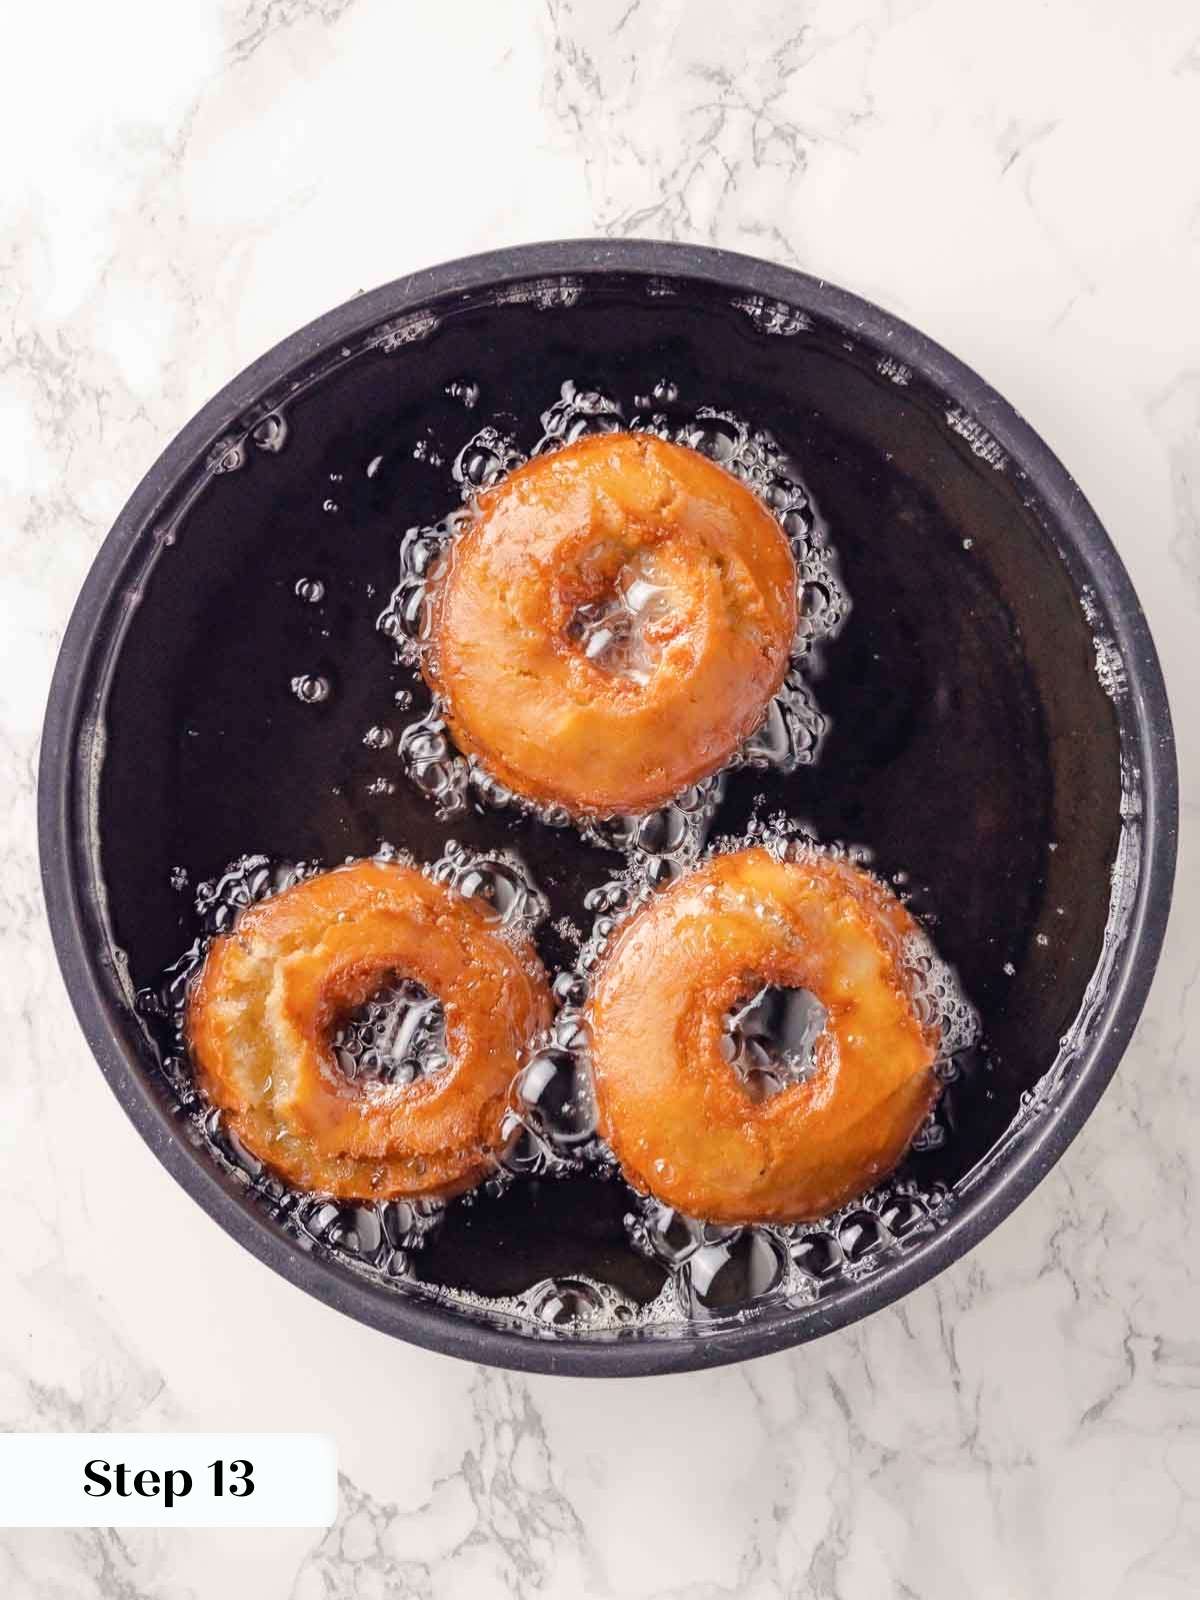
[[999, 725]]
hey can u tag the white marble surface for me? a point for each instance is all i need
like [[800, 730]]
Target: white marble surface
[[182, 185]]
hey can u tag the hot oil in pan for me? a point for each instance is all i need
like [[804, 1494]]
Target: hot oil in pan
[[287, 712], [598, 1254]]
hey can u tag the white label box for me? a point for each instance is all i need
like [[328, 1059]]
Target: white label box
[[165, 1480]]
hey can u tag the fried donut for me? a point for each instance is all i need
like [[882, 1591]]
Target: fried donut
[[273, 991], [673, 1108], [612, 625]]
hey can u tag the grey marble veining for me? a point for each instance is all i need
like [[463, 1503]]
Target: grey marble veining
[[184, 185]]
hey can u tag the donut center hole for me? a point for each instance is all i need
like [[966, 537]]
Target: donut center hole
[[770, 1039], [615, 631], [397, 1036]]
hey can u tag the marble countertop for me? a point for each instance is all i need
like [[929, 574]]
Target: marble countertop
[[185, 184]]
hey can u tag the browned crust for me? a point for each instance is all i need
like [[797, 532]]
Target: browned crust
[[260, 1016], [522, 698], [676, 1112]]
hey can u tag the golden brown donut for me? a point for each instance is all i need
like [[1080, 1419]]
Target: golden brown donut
[[273, 991], [675, 1111], [614, 514]]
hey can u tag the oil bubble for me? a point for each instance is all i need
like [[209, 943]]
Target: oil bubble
[[484, 460], [227, 455], [557, 1096], [498, 881], [397, 1036], [465, 392], [664, 1233], [310, 688], [773, 316], [270, 432], [770, 1040], [901, 1214], [564, 1302], [719, 1278], [817, 1255], [861, 1235]]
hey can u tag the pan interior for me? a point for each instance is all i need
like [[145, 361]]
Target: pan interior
[[974, 747]]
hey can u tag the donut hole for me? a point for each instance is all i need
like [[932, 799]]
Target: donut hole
[[616, 631], [770, 1038], [395, 1036]]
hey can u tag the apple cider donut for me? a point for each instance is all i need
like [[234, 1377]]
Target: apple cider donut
[[272, 992], [672, 1106], [612, 624]]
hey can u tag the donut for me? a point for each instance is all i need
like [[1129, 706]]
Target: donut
[[673, 1108], [261, 1015], [611, 625]]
